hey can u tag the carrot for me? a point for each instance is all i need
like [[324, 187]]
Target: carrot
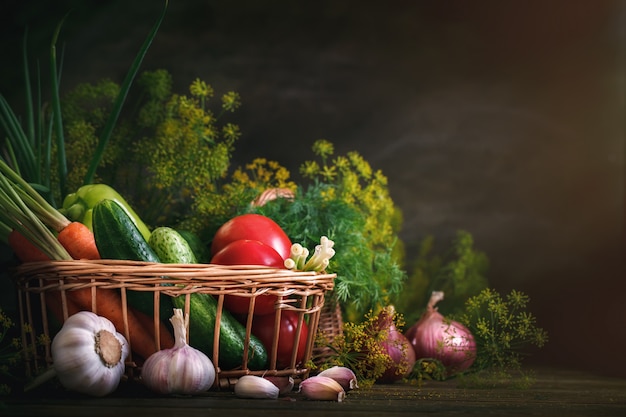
[[24, 249], [54, 304], [24, 209], [109, 305], [79, 241], [166, 339]]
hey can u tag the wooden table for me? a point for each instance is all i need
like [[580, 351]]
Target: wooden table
[[555, 393]]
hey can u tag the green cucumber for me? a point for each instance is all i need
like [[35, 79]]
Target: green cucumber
[[199, 248], [171, 247], [117, 237], [202, 316]]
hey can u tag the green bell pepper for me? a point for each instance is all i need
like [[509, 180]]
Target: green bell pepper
[[79, 206]]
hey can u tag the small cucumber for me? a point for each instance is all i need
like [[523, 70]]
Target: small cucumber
[[171, 247], [199, 248], [117, 237], [202, 316]]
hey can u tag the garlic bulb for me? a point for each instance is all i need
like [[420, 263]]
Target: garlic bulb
[[89, 354], [252, 386], [345, 377], [322, 388], [181, 369]]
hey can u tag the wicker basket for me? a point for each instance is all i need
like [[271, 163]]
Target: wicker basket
[[303, 292], [330, 326]]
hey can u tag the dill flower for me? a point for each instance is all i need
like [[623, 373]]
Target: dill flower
[[360, 348], [503, 329], [10, 352], [231, 101], [377, 277], [323, 148], [201, 89]]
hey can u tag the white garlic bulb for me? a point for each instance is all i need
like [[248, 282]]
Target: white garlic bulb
[[181, 369], [89, 354]]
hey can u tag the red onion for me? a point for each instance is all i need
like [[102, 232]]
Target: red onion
[[436, 337], [397, 347]]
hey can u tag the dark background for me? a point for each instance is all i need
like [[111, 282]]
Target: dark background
[[502, 118]]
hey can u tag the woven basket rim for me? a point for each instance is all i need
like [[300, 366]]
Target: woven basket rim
[[173, 279]]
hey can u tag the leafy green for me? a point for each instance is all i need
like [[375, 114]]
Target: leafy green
[[367, 277], [502, 328], [168, 152]]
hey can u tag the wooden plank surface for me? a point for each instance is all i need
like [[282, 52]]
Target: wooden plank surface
[[555, 393]]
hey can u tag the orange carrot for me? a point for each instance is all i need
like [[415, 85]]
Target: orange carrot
[[166, 339], [54, 305], [109, 305], [31, 215], [24, 249], [79, 241]]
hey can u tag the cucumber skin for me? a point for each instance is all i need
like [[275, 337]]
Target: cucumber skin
[[117, 237], [171, 247], [202, 315], [199, 248]]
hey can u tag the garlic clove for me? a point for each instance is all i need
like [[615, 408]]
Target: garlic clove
[[252, 386], [322, 388], [346, 378], [284, 383]]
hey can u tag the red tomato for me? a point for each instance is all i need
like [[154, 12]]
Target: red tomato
[[263, 328], [252, 227], [249, 252]]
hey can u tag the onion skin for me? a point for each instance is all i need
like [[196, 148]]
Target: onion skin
[[397, 347], [402, 354], [448, 341]]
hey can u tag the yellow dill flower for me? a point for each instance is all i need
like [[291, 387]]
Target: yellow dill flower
[[328, 173], [231, 101], [342, 163], [240, 176], [310, 169], [323, 148], [360, 165], [231, 132], [201, 89]]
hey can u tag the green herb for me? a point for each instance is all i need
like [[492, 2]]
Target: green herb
[[346, 200], [360, 348], [503, 330], [169, 151], [9, 354], [460, 273], [367, 276]]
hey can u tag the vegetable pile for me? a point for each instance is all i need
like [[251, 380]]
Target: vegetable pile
[[189, 207], [113, 230]]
